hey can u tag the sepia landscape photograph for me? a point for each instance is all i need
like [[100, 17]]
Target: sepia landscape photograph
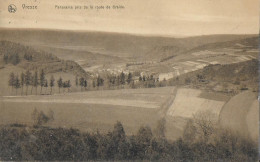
[[129, 80]]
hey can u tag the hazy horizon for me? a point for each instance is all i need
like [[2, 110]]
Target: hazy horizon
[[133, 34]]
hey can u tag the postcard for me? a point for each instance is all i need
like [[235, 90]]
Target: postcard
[[129, 80]]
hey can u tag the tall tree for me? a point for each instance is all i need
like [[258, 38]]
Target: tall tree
[[118, 142], [5, 58], [140, 79], [42, 79], [143, 139], [122, 78], [15, 59], [52, 82], [144, 78], [46, 85], [28, 76], [60, 83], [68, 85], [77, 81], [16, 83], [129, 78], [35, 80], [22, 78], [85, 84], [100, 81], [64, 85], [118, 81], [81, 82], [11, 80], [31, 83], [94, 83]]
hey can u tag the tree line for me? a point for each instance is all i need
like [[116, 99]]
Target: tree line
[[13, 59], [63, 144], [125, 80], [27, 80]]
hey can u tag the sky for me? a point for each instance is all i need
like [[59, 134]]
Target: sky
[[152, 17]]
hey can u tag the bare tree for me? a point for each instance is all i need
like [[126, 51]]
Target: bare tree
[[39, 117], [205, 123]]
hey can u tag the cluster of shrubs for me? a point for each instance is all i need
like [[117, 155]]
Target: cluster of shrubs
[[18, 142]]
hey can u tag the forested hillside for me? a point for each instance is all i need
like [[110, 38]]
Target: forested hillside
[[28, 58], [230, 78]]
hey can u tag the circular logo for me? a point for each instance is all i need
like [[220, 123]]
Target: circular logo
[[12, 8]]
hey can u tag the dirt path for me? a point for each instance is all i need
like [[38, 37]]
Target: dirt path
[[167, 104]]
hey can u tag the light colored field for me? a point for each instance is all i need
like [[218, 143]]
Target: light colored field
[[145, 98], [188, 102], [92, 110], [241, 114], [252, 120], [198, 60], [64, 100]]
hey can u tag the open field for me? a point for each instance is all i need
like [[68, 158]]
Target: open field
[[198, 60], [241, 113], [93, 110], [99, 110], [188, 102]]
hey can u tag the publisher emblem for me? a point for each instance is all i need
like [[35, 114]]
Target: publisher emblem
[[12, 8]]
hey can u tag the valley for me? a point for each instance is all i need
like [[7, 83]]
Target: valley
[[137, 80]]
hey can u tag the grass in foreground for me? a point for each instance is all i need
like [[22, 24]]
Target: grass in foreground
[[19, 142]]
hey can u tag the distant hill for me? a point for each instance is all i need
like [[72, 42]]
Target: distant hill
[[83, 58], [246, 43], [28, 58], [148, 48], [230, 78], [238, 45]]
